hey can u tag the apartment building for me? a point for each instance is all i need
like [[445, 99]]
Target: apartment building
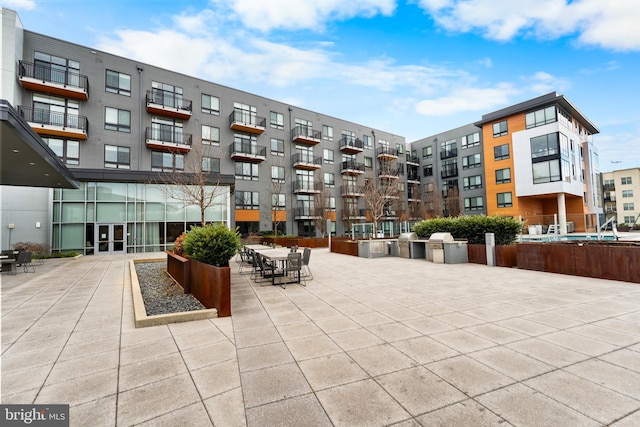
[[621, 194], [124, 129], [541, 164]]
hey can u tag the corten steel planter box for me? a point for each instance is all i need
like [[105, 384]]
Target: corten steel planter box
[[178, 269], [477, 253], [345, 247], [303, 242], [602, 260], [212, 286], [506, 255]]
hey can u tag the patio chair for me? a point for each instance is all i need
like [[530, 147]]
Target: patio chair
[[265, 270], [293, 269], [244, 259], [306, 254], [24, 261]]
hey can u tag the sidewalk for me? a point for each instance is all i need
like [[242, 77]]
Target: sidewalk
[[368, 342]]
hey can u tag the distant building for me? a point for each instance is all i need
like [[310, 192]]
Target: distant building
[[621, 191]]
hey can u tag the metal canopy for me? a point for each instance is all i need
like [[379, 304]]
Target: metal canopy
[[25, 160]]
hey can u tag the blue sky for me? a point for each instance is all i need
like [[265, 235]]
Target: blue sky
[[411, 67]]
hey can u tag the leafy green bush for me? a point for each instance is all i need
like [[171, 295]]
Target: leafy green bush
[[213, 244], [472, 228]]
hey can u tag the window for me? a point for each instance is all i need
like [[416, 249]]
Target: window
[[247, 171], [168, 96], [56, 69], [400, 148], [427, 170], [546, 171], [277, 173], [247, 200], [427, 152], [119, 120], [277, 147], [471, 182], [278, 202], [330, 204], [210, 135], [471, 140], [327, 156], [504, 200], [166, 129], [67, 150], [474, 203], [611, 183], [329, 179], [449, 168], [368, 162], [277, 120], [625, 180], [628, 206], [119, 83], [448, 149], [472, 161], [503, 176], [401, 187], [327, 132], [501, 152], [117, 157], [367, 141], [541, 117], [166, 162], [545, 146], [629, 219], [210, 164], [627, 193], [210, 104], [245, 113], [500, 129]]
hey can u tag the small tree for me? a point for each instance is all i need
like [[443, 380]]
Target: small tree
[[432, 202], [321, 208], [452, 202], [378, 198], [275, 203]]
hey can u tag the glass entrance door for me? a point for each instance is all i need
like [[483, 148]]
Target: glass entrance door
[[110, 239]]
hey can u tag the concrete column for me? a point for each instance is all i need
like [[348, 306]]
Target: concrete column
[[562, 215], [490, 240]]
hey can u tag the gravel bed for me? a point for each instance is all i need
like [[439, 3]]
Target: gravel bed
[[160, 294]]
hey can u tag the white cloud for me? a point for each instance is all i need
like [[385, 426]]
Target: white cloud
[[305, 14], [618, 150], [467, 99], [19, 4], [608, 24]]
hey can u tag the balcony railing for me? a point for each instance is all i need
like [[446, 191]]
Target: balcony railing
[[168, 139], [413, 159], [354, 213], [349, 144], [167, 103], [63, 124], [247, 152], [448, 153], [60, 82], [306, 161], [351, 190], [305, 213], [609, 187], [388, 173], [413, 177], [247, 122], [449, 172], [307, 187], [384, 151], [306, 134], [351, 166]]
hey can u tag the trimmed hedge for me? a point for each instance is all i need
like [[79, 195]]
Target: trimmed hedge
[[213, 244], [472, 228]]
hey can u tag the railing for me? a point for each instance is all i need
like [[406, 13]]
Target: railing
[[173, 136], [246, 118], [388, 151], [347, 189], [350, 142], [352, 165], [412, 159], [388, 172], [448, 153], [609, 187], [47, 74], [168, 99], [307, 186], [306, 158], [449, 172], [46, 117], [354, 213], [249, 149], [413, 177], [303, 131], [305, 212]]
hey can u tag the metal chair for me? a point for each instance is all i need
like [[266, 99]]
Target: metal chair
[[24, 260], [306, 254], [294, 265]]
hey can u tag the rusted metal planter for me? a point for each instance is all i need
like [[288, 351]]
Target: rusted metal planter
[[505, 255], [178, 269]]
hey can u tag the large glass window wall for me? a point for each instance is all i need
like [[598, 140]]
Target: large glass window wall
[[152, 219]]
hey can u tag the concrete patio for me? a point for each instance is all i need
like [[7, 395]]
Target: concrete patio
[[385, 341]]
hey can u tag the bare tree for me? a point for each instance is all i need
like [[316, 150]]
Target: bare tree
[[277, 200], [378, 198], [199, 183], [452, 201], [432, 201], [321, 208]]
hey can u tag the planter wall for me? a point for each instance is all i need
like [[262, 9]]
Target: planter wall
[[345, 247], [477, 253], [212, 286], [506, 256], [178, 269], [303, 242]]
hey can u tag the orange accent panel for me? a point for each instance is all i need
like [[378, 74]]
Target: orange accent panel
[[278, 216], [67, 91], [73, 134], [331, 216], [246, 215]]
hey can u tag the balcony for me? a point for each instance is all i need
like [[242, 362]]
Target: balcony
[[302, 134], [306, 187], [348, 213], [305, 213], [609, 187], [168, 140], [387, 153], [63, 125], [391, 214], [306, 161], [449, 172], [349, 145], [351, 190], [243, 152], [351, 167], [42, 78], [388, 173], [448, 153], [244, 121], [169, 104], [412, 160], [413, 178]]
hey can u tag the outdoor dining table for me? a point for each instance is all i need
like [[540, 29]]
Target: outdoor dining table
[[8, 264], [275, 254]]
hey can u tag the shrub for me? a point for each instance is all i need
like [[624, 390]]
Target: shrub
[[213, 244], [39, 250], [472, 228], [177, 246]]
